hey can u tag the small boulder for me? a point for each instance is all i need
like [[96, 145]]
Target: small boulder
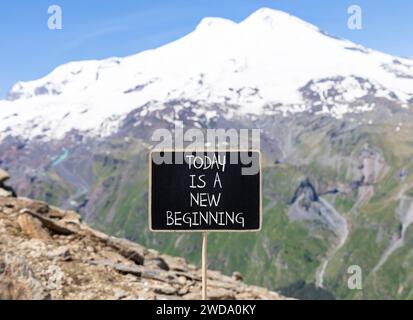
[[5, 193], [72, 216], [120, 294], [4, 176], [220, 294], [163, 288], [157, 263], [32, 227], [62, 253], [56, 213], [35, 206], [237, 276]]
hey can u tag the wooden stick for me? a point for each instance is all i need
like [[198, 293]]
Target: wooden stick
[[204, 265]]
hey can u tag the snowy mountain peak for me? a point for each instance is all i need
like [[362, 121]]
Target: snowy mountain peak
[[212, 22], [268, 14], [269, 62], [276, 19]]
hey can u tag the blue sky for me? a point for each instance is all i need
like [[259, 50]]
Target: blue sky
[[95, 29]]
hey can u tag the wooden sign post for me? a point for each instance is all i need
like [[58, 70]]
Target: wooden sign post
[[204, 265], [205, 191]]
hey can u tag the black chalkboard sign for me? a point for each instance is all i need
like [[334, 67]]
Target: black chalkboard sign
[[205, 191]]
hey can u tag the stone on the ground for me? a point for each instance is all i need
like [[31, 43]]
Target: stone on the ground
[[4, 176]]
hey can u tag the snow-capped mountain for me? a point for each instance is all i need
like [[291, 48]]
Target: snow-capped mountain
[[270, 62]]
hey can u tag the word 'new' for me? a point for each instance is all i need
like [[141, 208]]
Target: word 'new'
[[205, 199]]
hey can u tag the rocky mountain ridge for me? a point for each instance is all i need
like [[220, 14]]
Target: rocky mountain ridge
[[49, 253]]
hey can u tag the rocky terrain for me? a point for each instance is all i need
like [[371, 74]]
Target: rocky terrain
[[49, 253]]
